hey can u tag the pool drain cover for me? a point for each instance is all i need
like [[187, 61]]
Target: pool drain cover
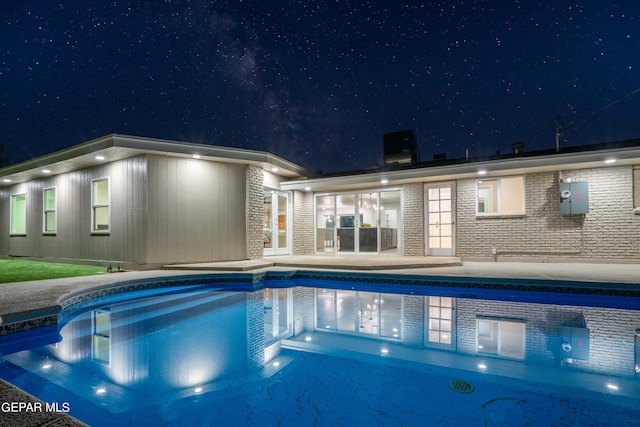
[[461, 386]]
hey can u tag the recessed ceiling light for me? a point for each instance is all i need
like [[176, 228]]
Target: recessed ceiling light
[[274, 169], [46, 171], [482, 172], [6, 180], [609, 161], [99, 157], [307, 188], [196, 156], [384, 181]]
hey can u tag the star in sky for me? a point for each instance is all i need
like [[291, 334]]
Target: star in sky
[[319, 82]]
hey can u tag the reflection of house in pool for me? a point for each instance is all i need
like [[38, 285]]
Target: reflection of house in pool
[[148, 202], [183, 341]]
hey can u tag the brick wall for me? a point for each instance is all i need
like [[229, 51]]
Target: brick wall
[[611, 230], [612, 332], [413, 219], [302, 223], [304, 314], [413, 321], [255, 329], [255, 211]]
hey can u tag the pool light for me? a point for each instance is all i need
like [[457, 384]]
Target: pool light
[[198, 390], [384, 351], [612, 386], [276, 363], [307, 338], [482, 365], [101, 390], [46, 365]]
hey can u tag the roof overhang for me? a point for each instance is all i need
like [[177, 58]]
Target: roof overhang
[[472, 169], [117, 147]]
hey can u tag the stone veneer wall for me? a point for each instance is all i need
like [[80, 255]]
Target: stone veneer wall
[[303, 228], [255, 211], [303, 303], [255, 329], [413, 219], [413, 321], [611, 230], [612, 332]]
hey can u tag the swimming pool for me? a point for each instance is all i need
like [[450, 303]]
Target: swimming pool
[[338, 351]]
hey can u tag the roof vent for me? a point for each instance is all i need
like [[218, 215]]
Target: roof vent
[[401, 148], [517, 147]]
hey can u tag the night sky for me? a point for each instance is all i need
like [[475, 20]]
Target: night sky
[[319, 82]]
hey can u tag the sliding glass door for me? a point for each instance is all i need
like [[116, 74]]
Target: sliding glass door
[[358, 222]]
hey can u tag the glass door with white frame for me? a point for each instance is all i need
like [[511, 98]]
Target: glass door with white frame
[[276, 220], [326, 239], [368, 230], [439, 216]]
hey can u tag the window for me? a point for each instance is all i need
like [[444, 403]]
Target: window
[[49, 210], [370, 313], [100, 205], [19, 214], [501, 338], [440, 320], [500, 195], [101, 344], [636, 188]]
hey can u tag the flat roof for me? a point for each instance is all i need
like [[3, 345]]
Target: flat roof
[[588, 156], [117, 147]]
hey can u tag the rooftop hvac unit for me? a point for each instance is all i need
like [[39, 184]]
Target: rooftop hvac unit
[[401, 148]]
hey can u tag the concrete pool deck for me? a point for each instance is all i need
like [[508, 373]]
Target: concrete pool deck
[[28, 300], [24, 300]]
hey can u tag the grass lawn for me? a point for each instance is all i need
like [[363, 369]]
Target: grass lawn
[[17, 270]]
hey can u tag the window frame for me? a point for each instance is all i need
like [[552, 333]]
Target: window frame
[[636, 187], [100, 339], [500, 350], [499, 212], [46, 211], [95, 206], [12, 215]]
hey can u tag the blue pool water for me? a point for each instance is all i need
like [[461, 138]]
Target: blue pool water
[[329, 353]]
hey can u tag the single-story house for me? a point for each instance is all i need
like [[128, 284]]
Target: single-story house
[[147, 202]]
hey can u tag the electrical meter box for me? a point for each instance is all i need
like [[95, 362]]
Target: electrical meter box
[[574, 198], [574, 343]]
